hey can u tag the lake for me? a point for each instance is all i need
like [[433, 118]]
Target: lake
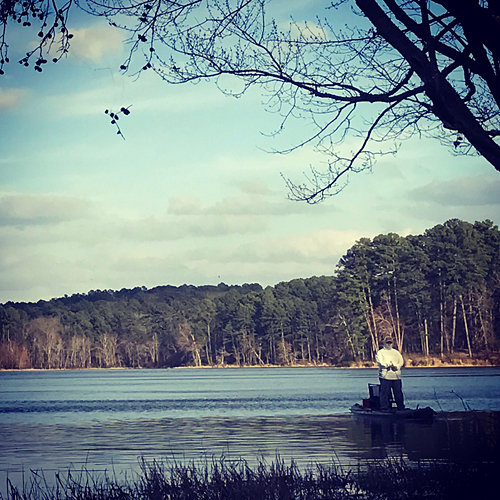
[[104, 420]]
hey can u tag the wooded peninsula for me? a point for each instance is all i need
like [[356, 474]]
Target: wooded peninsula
[[437, 294]]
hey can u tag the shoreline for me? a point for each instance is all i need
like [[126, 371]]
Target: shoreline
[[415, 361]]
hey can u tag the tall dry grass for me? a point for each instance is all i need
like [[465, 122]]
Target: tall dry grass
[[235, 480]]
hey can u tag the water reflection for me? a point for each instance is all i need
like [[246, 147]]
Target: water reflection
[[452, 435], [343, 439]]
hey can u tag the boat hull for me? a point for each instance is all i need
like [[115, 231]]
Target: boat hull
[[406, 414]]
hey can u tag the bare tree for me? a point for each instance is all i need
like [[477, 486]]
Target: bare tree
[[13, 356], [404, 68], [186, 341], [78, 352], [106, 351], [45, 335]]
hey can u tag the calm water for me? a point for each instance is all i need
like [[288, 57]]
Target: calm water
[[106, 419]]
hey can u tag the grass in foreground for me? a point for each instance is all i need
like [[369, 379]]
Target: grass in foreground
[[224, 480]]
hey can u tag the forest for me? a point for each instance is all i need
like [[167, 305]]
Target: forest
[[437, 294]]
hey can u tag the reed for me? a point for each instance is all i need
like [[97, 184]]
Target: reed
[[222, 479]]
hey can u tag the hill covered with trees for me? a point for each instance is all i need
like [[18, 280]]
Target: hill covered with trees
[[437, 293]]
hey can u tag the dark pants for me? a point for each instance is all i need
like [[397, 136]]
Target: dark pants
[[386, 386]]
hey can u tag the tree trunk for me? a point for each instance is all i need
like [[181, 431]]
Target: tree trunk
[[454, 325], [209, 344], [441, 323], [400, 329], [317, 347], [349, 338], [196, 352], [372, 326], [482, 323], [426, 333], [466, 327], [447, 104], [309, 357]]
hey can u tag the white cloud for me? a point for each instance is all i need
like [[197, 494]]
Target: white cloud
[[186, 226], [9, 98], [465, 191], [154, 95], [96, 42], [254, 186], [149, 98], [26, 209], [184, 205], [253, 197], [325, 246]]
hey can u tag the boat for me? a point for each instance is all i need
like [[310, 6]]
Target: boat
[[371, 408], [426, 413]]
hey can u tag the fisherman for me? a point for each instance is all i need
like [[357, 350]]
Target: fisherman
[[390, 363]]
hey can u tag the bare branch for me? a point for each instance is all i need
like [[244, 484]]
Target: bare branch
[[318, 194], [418, 67]]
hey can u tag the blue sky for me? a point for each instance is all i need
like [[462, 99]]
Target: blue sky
[[192, 195]]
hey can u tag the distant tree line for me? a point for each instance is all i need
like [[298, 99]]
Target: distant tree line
[[436, 293]]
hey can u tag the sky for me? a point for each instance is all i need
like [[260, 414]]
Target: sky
[[193, 194]]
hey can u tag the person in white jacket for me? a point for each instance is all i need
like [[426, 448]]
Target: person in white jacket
[[390, 362]]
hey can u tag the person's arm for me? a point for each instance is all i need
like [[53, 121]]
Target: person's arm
[[379, 360], [402, 361], [399, 362]]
